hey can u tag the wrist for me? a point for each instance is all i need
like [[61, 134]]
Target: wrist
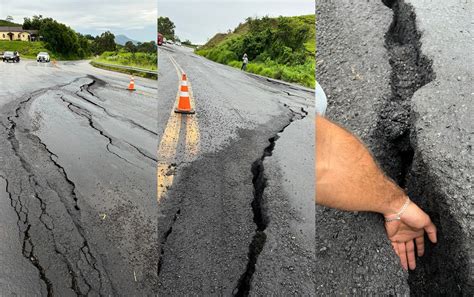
[[395, 203]]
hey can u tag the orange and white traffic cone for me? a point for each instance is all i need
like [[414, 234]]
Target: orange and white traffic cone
[[131, 86], [184, 104]]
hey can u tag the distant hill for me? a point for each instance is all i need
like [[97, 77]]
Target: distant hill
[[4, 23], [122, 39]]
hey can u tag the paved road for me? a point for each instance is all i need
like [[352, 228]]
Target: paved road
[[400, 77], [77, 186], [235, 182], [443, 165]]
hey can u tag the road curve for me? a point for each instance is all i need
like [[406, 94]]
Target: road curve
[[77, 182]]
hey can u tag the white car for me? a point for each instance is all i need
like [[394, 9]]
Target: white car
[[43, 57]]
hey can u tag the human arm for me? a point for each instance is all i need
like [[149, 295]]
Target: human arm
[[348, 178]]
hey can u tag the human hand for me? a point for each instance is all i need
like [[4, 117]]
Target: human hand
[[407, 231]]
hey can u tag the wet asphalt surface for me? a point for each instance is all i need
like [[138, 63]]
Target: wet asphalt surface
[[399, 76], [77, 182], [236, 218]]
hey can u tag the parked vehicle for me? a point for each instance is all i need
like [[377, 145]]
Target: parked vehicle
[[11, 56], [43, 57], [160, 39]]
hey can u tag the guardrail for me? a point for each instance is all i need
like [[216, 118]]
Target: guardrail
[[155, 72]]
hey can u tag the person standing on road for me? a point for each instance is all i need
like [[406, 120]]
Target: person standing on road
[[245, 61], [348, 178]]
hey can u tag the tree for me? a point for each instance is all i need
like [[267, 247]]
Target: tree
[[166, 27], [89, 37], [84, 46], [130, 47], [59, 37], [147, 47], [34, 23], [104, 42], [187, 42], [9, 19]]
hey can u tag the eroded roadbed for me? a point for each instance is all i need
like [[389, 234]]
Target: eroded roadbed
[[79, 178]]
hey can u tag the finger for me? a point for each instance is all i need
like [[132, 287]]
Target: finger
[[420, 246], [410, 245], [402, 253], [395, 248], [431, 231]]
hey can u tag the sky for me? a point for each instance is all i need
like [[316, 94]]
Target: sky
[[200, 20], [135, 19]]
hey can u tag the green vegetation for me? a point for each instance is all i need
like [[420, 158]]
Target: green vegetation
[[59, 40], [139, 60], [117, 69], [166, 27], [188, 43], [122, 57], [145, 47], [281, 48], [6, 23]]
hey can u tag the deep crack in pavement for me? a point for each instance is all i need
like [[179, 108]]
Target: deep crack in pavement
[[260, 217], [411, 70]]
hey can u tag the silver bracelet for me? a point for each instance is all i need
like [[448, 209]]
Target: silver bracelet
[[398, 215]]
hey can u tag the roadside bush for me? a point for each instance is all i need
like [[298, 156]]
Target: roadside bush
[[140, 60], [281, 48]]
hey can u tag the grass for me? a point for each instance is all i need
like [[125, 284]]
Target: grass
[[139, 60], [225, 48], [301, 74], [29, 50], [5, 23]]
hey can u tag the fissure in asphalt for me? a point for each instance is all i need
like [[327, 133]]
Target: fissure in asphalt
[[87, 88], [411, 70], [28, 245], [260, 216], [443, 269], [164, 239]]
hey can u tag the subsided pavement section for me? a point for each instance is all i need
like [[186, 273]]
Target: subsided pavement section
[[285, 265], [400, 81], [80, 197]]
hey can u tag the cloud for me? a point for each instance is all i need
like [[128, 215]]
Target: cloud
[[90, 15], [199, 20]]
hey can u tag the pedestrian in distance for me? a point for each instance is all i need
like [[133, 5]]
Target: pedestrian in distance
[[245, 61]]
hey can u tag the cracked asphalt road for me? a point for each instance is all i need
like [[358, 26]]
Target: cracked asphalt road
[[77, 185], [235, 200]]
